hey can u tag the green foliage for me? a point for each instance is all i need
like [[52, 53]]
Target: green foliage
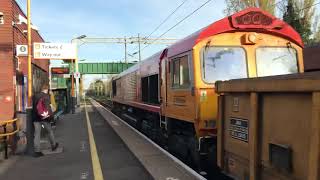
[[299, 14]]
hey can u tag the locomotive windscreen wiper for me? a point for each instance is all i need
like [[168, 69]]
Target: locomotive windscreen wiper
[[279, 57]]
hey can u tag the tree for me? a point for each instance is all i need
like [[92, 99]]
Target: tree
[[317, 36], [307, 15], [315, 31], [238, 5], [299, 14], [291, 16]]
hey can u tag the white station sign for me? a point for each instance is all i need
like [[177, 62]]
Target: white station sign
[[54, 51], [22, 50]]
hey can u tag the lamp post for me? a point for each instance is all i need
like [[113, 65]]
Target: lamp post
[[29, 122], [73, 97], [77, 68], [29, 53], [139, 48]]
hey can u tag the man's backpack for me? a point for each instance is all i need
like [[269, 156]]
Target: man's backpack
[[42, 111]]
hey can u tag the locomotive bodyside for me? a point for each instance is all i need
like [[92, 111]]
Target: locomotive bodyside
[[128, 84], [175, 100]]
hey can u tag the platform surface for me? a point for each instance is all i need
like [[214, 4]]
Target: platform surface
[[73, 160]]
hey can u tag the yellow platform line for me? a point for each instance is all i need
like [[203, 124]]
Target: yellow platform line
[[97, 172]]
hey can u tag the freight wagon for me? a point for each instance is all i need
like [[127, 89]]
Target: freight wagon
[[269, 128]]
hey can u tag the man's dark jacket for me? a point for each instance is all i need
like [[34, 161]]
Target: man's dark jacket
[[36, 98]]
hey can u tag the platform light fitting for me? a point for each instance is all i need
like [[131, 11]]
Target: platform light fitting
[[1, 18], [81, 37]]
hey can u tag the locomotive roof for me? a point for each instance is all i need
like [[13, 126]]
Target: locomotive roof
[[234, 23], [135, 67], [230, 24]]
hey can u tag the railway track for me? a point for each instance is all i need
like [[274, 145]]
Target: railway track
[[107, 104]]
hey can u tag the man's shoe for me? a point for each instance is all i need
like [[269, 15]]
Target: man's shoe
[[55, 147], [38, 154]]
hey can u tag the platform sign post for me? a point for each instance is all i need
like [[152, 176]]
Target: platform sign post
[[73, 98], [78, 77]]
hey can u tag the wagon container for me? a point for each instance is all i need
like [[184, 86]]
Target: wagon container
[[269, 128]]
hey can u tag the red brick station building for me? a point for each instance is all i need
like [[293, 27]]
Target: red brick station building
[[13, 68]]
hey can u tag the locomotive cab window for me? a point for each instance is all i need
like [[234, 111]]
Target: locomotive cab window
[[180, 72], [276, 61], [223, 63]]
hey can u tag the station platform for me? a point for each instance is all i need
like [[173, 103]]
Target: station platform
[[95, 144]]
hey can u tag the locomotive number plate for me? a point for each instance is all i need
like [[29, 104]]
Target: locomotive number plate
[[239, 129]]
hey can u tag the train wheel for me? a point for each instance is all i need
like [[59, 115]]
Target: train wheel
[[193, 157], [163, 139], [146, 128], [139, 124], [176, 147], [211, 165]]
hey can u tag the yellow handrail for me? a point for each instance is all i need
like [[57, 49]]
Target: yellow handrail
[[2, 123], [8, 121], [9, 134]]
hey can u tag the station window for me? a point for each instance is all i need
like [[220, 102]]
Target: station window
[[180, 72]]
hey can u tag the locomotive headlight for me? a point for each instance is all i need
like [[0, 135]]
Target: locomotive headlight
[[252, 38]]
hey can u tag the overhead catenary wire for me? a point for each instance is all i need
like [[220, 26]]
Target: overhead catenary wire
[[167, 18], [186, 17], [203, 6], [164, 21]]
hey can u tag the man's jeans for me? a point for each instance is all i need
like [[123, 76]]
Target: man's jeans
[[37, 134]]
